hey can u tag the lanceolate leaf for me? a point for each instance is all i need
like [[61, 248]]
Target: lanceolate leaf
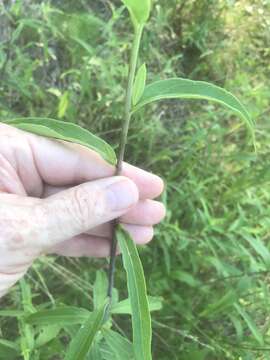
[[81, 344], [100, 288], [65, 131], [124, 306], [178, 88], [139, 10], [139, 84], [66, 315], [141, 321]]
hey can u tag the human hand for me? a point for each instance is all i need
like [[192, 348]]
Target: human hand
[[58, 197]]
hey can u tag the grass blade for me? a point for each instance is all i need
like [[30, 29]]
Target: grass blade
[[251, 325]]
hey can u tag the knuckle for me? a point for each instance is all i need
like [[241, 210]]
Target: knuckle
[[14, 233], [86, 206]]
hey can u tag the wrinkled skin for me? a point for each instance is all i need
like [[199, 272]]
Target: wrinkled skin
[[58, 197]]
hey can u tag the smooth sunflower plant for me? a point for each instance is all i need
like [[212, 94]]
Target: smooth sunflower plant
[[96, 338]]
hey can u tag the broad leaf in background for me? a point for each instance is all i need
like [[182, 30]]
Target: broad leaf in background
[[139, 10], [67, 315], [81, 344], [120, 346], [178, 88], [65, 131], [100, 288], [139, 84], [141, 320], [124, 306]]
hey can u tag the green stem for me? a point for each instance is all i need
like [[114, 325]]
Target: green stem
[[123, 141]]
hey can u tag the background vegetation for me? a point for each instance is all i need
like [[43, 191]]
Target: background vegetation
[[210, 259]]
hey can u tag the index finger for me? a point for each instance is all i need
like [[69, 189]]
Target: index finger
[[60, 163]]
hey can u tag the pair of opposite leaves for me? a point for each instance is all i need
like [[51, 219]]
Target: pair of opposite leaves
[[176, 88]]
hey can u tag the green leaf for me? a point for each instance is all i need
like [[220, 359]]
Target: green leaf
[[8, 350], [178, 88], [61, 130], [139, 10], [141, 320], [12, 313], [100, 288], [139, 84], [221, 305], [63, 105], [258, 246], [185, 277], [251, 325], [67, 315], [95, 352], [81, 344], [47, 334], [124, 306], [120, 346]]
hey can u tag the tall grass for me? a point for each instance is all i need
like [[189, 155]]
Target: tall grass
[[210, 259]]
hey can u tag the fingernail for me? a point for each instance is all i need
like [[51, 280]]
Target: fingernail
[[122, 194]]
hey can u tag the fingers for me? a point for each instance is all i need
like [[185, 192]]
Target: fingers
[[150, 186], [145, 212], [73, 164], [41, 161], [95, 246], [78, 209]]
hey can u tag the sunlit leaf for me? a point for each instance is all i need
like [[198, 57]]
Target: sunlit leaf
[[65, 131], [139, 84], [63, 105], [81, 344], [100, 288], [141, 320], [178, 88]]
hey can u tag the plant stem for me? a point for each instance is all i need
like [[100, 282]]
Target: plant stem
[[123, 142]]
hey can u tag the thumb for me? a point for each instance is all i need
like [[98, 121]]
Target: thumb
[[78, 209]]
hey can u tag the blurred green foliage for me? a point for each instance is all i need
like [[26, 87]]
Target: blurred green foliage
[[210, 259]]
